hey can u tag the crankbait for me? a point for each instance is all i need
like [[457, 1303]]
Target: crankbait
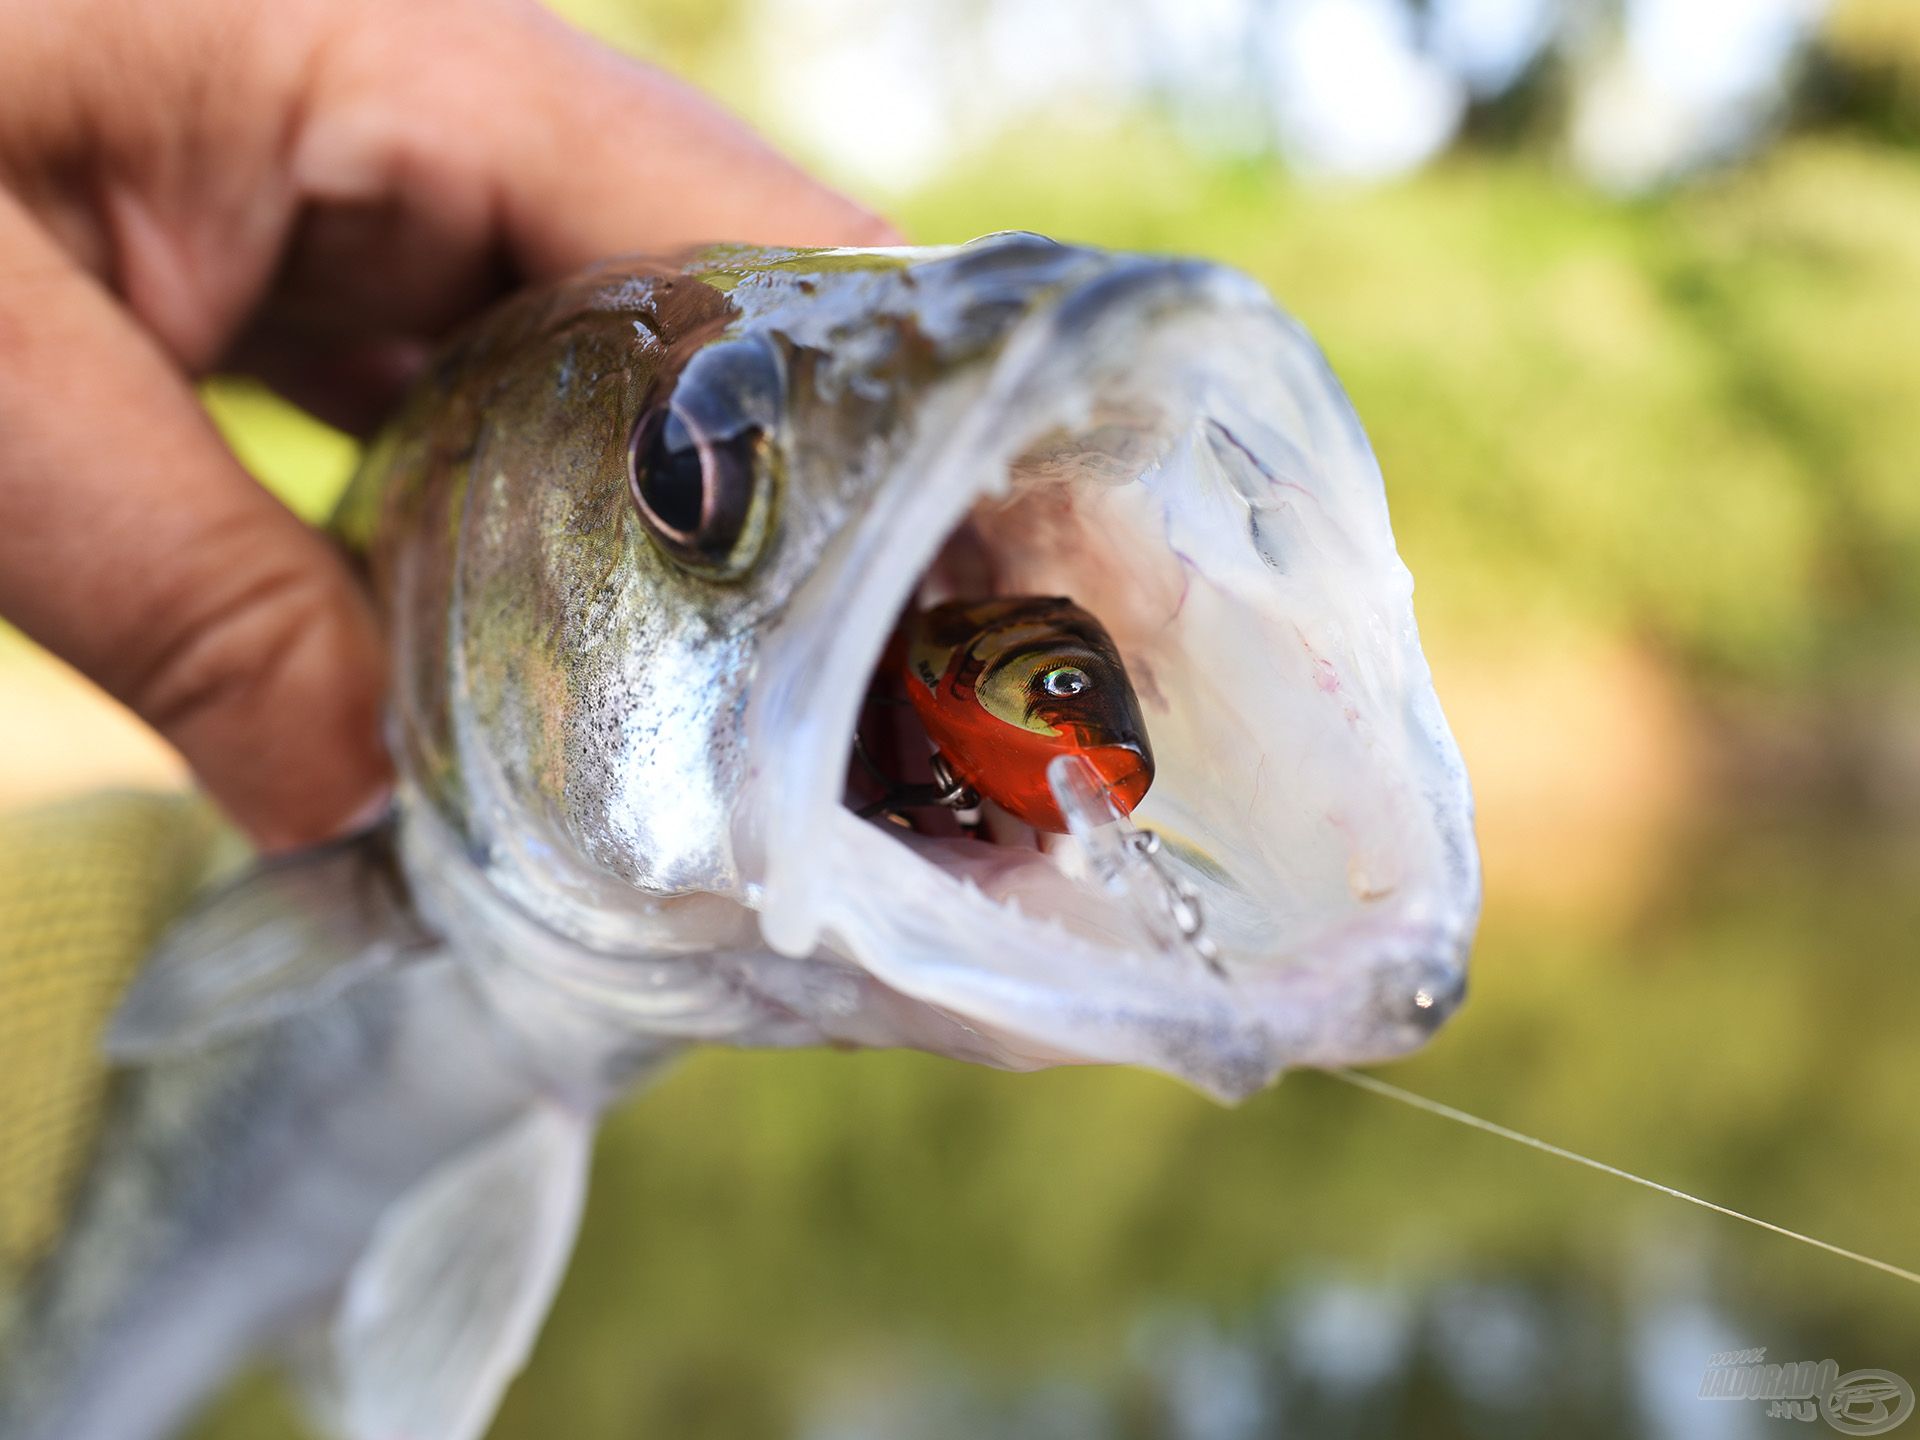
[[1006, 686]]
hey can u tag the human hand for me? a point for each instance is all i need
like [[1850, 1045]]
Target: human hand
[[309, 192]]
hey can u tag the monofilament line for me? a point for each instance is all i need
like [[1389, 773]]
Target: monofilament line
[[1447, 1112]]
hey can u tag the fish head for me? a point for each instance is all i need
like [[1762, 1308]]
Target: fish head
[[663, 654]]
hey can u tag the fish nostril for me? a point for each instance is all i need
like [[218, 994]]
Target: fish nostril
[[1436, 995]]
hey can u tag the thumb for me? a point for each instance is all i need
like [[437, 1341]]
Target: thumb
[[134, 546]]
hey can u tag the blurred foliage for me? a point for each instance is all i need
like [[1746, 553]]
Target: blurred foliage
[[307, 463], [1867, 70]]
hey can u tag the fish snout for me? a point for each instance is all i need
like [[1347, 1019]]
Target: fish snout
[[1414, 995]]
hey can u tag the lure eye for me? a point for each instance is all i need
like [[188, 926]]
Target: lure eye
[[694, 488], [1063, 682]]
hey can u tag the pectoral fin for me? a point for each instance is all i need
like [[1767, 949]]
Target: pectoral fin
[[441, 1311], [287, 934]]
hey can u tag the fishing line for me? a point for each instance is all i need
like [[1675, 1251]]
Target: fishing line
[[1447, 1112]]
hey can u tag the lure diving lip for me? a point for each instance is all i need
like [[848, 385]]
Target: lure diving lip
[[1005, 686]]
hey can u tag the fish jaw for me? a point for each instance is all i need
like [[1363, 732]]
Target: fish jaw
[[1159, 442]]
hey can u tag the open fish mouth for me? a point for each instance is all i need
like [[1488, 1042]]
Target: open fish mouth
[[1164, 446]]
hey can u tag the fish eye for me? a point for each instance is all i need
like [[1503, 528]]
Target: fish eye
[[694, 487], [702, 464], [1065, 681]]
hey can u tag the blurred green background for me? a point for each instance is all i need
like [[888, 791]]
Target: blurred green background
[[1642, 364]]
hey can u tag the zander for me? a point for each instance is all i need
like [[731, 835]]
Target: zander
[[640, 541]]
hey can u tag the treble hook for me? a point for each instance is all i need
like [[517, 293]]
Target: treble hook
[[1182, 903], [946, 790]]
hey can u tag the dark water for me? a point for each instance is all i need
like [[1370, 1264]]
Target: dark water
[[895, 1248]]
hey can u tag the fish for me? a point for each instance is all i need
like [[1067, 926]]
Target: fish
[[639, 540], [1005, 686]]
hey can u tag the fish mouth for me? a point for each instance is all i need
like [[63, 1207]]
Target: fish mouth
[[1162, 445]]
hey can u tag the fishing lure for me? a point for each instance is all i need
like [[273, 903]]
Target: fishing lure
[[1005, 686]]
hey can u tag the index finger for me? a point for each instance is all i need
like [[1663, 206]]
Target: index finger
[[583, 152]]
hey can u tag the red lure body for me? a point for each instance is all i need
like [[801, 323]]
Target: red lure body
[[1004, 686]]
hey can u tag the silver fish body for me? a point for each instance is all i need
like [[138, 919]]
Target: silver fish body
[[640, 539], [233, 1190]]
